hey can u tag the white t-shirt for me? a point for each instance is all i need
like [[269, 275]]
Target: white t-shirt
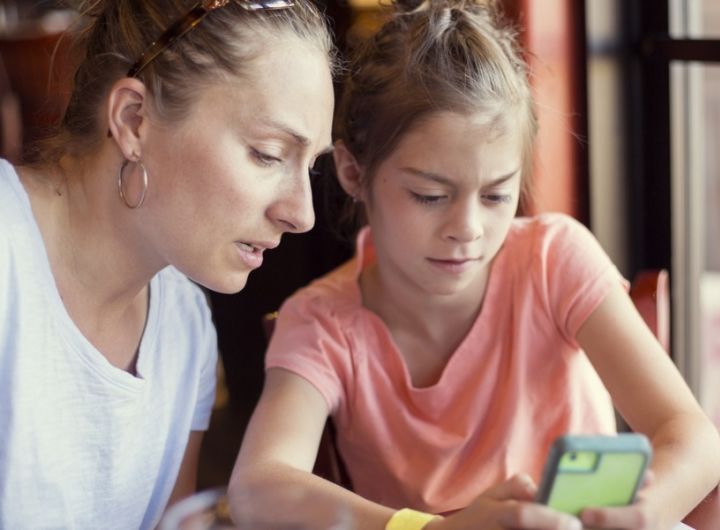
[[84, 444]]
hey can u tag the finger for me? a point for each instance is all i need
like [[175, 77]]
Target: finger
[[625, 517], [648, 478], [519, 487], [536, 516]]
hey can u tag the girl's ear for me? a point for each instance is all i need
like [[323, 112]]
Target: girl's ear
[[349, 172], [127, 101]]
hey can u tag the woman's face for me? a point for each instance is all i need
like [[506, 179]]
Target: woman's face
[[231, 178], [440, 206]]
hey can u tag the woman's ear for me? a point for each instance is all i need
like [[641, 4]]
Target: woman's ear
[[127, 101], [349, 172]]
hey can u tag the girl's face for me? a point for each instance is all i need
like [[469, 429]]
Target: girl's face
[[231, 178], [440, 206]]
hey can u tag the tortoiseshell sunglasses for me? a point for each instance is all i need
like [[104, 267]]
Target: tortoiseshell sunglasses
[[191, 19]]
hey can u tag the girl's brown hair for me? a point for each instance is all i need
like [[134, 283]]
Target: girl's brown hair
[[439, 55], [116, 32]]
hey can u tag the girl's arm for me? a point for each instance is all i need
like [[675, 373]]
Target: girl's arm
[[652, 396], [272, 483]]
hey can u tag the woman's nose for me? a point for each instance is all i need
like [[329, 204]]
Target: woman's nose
[[295, 209]]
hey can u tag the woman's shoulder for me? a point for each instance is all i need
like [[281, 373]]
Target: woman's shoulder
[[16, 219], [12, 193]]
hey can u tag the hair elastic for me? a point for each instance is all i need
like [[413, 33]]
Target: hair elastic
[[407, 519]]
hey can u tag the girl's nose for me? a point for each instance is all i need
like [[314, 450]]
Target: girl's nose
[[465, 224]]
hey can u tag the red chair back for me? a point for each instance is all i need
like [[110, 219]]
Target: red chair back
[[650, 291]]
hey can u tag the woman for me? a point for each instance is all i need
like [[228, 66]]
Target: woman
[[183, 153]]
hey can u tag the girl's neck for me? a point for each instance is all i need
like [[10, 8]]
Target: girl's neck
[[426, 329], [437, 318]]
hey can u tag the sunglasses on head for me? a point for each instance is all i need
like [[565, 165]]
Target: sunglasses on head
[[191, 19]]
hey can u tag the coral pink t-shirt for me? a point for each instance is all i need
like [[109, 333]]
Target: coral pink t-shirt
[[518, 379]]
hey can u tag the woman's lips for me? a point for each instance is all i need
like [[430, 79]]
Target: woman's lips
[[251, 255]]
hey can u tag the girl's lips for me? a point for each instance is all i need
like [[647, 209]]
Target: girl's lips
[[454, 266]]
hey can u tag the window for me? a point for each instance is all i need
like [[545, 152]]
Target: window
[[654, 139], [694, 57]]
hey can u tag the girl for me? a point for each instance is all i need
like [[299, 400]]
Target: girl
[[181, 153], [461, 340]]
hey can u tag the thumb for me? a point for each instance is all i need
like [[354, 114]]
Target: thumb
[[518, 487]]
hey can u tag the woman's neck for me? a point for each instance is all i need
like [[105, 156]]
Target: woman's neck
[[100, 277]]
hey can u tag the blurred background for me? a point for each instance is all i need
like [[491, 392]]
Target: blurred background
[[629, 99]]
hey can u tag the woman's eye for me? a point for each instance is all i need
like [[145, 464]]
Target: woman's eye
[[427, 199], [264, 159]]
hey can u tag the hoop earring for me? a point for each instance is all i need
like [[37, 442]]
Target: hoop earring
[[120, 185]]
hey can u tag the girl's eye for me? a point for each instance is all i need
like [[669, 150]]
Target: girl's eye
[[427, 199], [264, 159], [497, 198]]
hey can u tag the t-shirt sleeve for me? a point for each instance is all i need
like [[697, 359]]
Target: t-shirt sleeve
[[7, 318], [308, 341], [577, 273], [207, 349]]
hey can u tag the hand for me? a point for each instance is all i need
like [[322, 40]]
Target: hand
[[509, 505], [638, 516]]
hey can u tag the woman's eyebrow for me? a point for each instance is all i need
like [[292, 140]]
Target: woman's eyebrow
[[296, 135]]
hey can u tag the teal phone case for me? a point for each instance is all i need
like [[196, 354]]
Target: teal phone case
[[594, 471]]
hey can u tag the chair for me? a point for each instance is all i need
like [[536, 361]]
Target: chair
[[650, 291], [37, 62], [328, 464], [10, 119]]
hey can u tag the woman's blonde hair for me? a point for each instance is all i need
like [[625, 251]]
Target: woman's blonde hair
[[115, 33], [439, 55]]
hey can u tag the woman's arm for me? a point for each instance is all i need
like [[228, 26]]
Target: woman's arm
[[652, 396], [272, 481], [186, 482]]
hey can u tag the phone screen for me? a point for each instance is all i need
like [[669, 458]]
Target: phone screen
[[594, 471]]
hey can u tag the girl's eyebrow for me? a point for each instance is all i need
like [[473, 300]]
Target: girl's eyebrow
[[502, 179], [435, 177]]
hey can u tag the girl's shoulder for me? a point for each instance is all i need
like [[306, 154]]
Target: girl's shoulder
[[548, 233], [545, 225], [337, 291]]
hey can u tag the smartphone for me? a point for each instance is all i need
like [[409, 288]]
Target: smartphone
[[594, 471]]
